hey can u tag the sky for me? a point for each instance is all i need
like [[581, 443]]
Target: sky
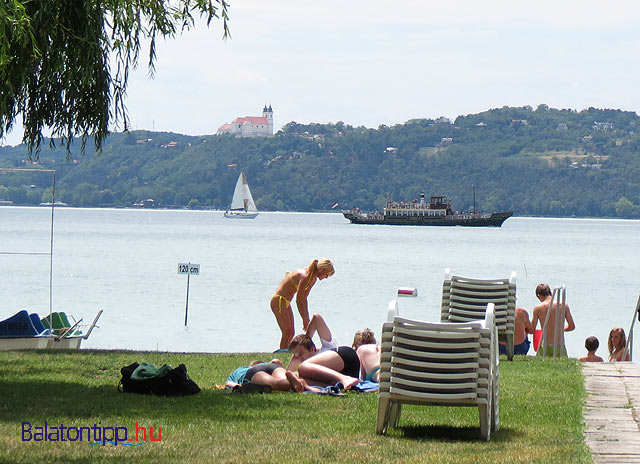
[[374, 62]]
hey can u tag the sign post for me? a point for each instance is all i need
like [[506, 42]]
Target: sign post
[[188, 269]]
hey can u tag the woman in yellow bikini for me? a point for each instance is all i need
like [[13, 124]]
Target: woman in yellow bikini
[[299, 283]]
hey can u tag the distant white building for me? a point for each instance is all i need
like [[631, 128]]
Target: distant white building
[[250, 126], [603, 126]]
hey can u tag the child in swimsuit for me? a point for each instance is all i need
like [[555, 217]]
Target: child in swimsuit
[[298, 283], [616, 344], [591, 344]]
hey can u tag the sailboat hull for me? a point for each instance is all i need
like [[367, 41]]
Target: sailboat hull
[[240, 215]]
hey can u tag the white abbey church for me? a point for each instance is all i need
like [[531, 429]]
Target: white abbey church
[[250, 126]]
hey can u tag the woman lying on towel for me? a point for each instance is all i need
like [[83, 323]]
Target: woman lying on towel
[[261, 377], [364, 342], [328, 365]]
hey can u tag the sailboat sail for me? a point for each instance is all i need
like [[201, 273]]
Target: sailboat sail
[[242, 203], [242, 198]]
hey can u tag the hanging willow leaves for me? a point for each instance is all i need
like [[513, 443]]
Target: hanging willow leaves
[[64, 64]]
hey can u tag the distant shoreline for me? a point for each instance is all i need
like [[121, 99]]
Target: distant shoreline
[[186, 208]]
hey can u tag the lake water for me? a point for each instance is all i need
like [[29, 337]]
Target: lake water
[[125, 262]]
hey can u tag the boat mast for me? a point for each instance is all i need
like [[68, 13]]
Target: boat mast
[[474, 199], [50, 252], [53, 203]]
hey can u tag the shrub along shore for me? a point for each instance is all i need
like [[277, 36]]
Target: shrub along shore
[[541, 405]]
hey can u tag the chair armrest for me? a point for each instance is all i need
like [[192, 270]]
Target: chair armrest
[[490, 318], [392, 310]]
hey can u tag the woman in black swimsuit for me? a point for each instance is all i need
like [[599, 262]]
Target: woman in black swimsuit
[[331, 365]]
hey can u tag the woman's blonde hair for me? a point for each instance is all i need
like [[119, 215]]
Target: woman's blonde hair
[[321, 265], [623, 339], [363, 337]]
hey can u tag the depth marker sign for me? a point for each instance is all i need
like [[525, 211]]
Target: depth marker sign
[[188, 269]]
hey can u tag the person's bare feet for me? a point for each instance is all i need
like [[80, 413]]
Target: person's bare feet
[[295, 382], [308, 387], [349, 382]]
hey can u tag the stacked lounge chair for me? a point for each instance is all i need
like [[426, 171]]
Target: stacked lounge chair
[[464, 299], [439, 363]]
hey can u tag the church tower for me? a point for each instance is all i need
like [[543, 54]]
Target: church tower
[[267, 112]]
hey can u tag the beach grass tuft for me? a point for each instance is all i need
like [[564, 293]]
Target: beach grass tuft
[[541, 405]]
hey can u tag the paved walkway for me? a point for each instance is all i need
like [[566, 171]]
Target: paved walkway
[[612, 412]]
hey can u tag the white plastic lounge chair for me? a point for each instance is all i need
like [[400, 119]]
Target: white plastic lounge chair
[[439, 363], [464, 299]]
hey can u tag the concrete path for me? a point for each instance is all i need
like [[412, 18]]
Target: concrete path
[[612, 412]]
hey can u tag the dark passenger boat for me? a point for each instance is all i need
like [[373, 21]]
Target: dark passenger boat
[[437, 212]]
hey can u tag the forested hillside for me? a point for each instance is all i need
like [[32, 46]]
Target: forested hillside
[[543, 161]]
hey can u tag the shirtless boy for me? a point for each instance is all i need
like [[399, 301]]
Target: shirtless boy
[[523, 327], [543, 292], [591, 344]]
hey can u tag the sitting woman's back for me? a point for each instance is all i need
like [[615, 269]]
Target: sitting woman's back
[[364, 342], [369, 361]]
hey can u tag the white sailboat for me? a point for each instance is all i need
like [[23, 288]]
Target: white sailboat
[[242, 205]]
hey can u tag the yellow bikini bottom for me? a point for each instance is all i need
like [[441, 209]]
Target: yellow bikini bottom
[[287, 303]]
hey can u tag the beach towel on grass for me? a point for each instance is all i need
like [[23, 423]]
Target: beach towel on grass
[[365, 386]]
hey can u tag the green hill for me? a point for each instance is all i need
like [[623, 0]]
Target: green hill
[[543, 161]]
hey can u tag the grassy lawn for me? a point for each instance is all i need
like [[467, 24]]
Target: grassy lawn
[[540, 412]]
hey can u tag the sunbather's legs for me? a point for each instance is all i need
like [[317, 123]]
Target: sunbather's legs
[[300, 385], [325, 368], [278, 380], [284, 316]]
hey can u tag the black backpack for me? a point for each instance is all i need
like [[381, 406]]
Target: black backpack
[[175, 383]]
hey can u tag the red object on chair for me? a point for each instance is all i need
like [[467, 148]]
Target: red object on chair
[[537, 337]]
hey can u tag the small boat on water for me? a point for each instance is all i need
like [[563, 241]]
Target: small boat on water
[[242, 204], [438, 212], [28, 331]]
